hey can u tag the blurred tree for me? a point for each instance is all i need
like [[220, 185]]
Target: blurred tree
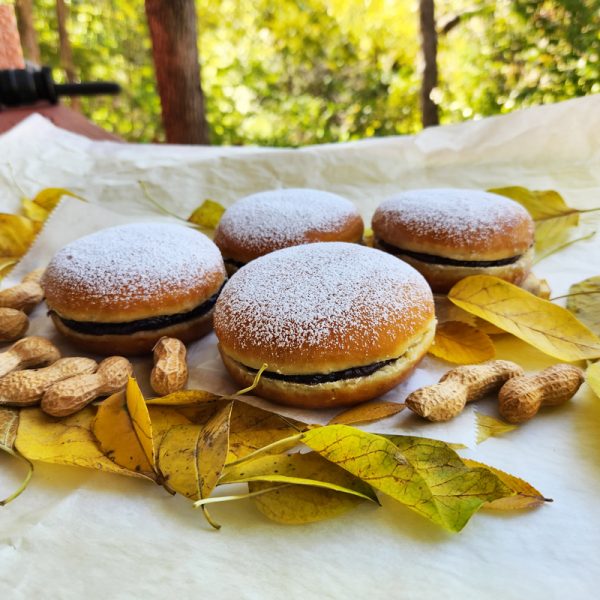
[[311, 71], [65, 50], [27, 32], [174, 42]]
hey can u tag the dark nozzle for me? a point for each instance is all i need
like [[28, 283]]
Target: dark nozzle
[[19, 87]]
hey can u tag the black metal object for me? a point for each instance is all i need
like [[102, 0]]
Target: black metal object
[[19, 87]]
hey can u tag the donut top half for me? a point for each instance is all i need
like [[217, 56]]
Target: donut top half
[[133, 272], [276, 219], [322, 307], [457, 224]]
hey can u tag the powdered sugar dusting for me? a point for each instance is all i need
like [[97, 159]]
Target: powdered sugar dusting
[[461, 215], [285, 217], [334, 296], [135, 262]]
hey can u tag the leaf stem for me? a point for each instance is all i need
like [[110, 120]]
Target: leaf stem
[[214, 500], [157, 204], [25, 482], [252, 386], [271, 446]]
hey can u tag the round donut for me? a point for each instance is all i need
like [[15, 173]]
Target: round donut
[[268, 221], [119, 290], [449, 234], [336, 324]]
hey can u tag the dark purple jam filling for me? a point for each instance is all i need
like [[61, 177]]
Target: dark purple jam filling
[[442, 260], [149, 324], [316, 378]]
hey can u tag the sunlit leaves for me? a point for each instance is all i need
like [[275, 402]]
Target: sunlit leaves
[[546, 326], [461, 343]]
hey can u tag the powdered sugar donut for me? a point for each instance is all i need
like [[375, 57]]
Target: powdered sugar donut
[[119, 290], [268, 221], [336, 323], [448, 234]]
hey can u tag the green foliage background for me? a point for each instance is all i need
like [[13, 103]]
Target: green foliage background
[[292, 72]]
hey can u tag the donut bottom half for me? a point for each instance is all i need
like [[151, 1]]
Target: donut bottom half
[[344, 392], [140, 342], [442, 278]]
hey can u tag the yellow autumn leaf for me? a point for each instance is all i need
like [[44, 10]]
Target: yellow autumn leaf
[[525, 495], [48, 198], [300, 469], [191, 457], [185, 446], [140, 418], [460, 343], [592, 377], [254, 428], [34, 211], [67, 441], [367, 413], [163, 418], [553, 218], [425, 475], [546, 326], [6, 264], [213, 448], [123, 431], [16, 235], [9, 423], [488, 427], [183, 398], [583, 300], [207, 215], [301, 502], [177, 459]]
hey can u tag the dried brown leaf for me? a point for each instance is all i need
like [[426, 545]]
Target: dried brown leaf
[[367, 413]]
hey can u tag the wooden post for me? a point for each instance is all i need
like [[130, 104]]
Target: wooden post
[[11, 54], [429, 109], [174, 35]]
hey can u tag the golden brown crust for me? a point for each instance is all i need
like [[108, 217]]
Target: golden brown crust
[[335, 354], [133, 272], [483, 227], [137, 343], [340, 393], [75, 305], [322, 308], [247, 232], [441, 278]]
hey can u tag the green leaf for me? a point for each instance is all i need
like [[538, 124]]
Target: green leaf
[[425, 475]]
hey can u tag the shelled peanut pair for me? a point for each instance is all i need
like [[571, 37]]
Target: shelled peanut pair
[[63, 385], [16, 303], [520, 396]]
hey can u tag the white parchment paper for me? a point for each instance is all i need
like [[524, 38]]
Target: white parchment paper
[[78, 533]]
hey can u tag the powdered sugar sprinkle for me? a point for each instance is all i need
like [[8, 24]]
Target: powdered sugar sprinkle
[[462, 215], [281, 218], [333, 295], [135, 262]]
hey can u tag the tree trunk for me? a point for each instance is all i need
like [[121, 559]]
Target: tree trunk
[[429, 109], [65, 50], [174, 35], [29, 40]]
